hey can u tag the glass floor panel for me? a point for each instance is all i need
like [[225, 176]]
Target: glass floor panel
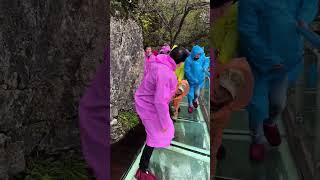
[[175, 164], [185, 115], [278, 164], [192, 134], [188, 157], [239, 123]]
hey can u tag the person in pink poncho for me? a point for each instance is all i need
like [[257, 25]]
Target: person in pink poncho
[[152, 105], [165, 49], [149, 57], [155, 52]]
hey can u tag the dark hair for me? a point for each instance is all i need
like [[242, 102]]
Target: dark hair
[[179, 54], [145, 47], [218, 3]]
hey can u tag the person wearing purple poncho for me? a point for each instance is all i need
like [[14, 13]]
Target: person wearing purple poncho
[[94, 127]]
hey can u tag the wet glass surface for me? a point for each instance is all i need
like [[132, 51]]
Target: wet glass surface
[[192, 134], [184, 114], [239, 123], [278, 164], [172, 165]]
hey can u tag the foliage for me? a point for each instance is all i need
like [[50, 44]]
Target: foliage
[[123, 8], [128, 119], [180, 22], [67, 167], [175, 22]]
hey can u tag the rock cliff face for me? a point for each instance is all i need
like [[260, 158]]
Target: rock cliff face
[[49, 51], [126, 69]]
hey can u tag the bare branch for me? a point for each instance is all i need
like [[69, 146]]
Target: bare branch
[[186, 12], [198, 5], [199, 36], [177, 14]]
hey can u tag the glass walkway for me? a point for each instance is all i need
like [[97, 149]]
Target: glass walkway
[[188, 157], [278, 164], [297, 158]]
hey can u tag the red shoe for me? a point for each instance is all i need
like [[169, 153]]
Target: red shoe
[[257, 152], [195, 104], [140, 175], [272, 134], [190, 109]]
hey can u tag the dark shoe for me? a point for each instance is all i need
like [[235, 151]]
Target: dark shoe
[[195, 104], [171, 110], [190, 109], [272, 134], [221, 154], [257, 152], [140, 175]]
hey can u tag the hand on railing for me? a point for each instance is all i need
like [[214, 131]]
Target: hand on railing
[[206, 71], [308, 34]]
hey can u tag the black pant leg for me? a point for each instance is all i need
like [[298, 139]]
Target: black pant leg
[[145, 158]]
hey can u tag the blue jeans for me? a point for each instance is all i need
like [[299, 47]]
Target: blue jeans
[[268, 102], [194, 94]]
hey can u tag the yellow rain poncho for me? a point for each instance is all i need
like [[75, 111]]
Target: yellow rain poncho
[[180, 71], [224, 35], [174, 46]]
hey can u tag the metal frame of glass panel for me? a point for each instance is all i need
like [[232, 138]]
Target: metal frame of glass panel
[[301, 117]]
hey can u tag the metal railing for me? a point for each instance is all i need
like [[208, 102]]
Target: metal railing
[[302, 118], [205, 101]]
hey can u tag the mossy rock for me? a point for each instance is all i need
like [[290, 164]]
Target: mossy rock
[[66, 167], [128, 119]]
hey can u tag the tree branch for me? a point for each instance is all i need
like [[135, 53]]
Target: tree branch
[[186, 12], [198, 5], [188, 7], [199, 36], [169, 24]]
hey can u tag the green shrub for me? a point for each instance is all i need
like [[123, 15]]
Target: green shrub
[[128, 119], [65, 168]]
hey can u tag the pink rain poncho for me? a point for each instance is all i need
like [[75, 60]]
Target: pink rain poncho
[[165, 49], [147, 61], [152, 101]]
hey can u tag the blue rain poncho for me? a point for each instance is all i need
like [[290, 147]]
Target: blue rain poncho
[[268, 33], [196, 70]]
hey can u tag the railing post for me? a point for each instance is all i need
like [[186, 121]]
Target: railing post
[[316, 143], [299, 95]]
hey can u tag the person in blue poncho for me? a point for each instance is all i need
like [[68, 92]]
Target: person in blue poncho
[[274, 48], [196, 68]]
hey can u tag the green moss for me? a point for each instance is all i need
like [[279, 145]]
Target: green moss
[[129, 119], [66, 167]]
